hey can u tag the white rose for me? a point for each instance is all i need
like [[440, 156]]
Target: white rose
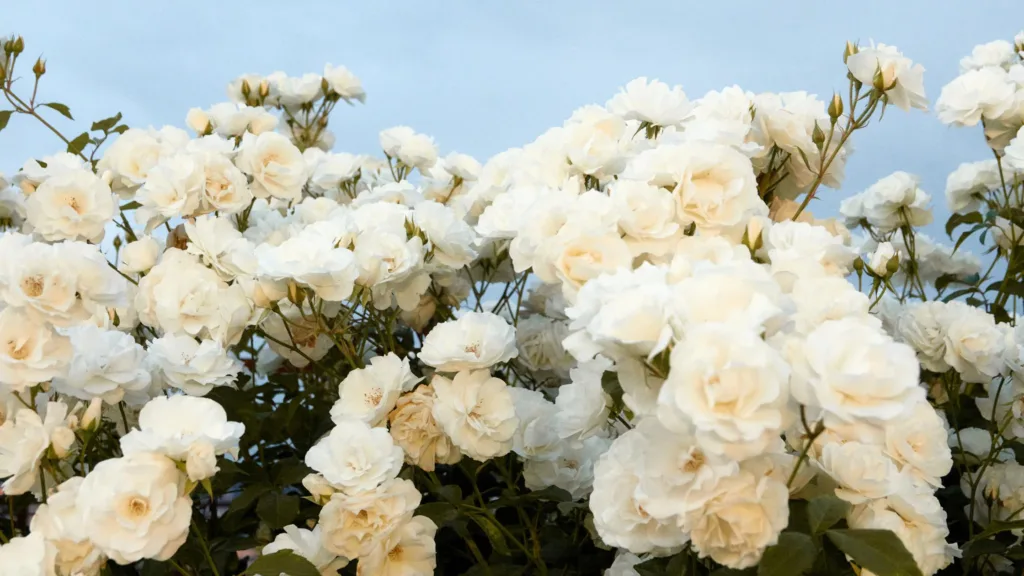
[[594, 142], [105, 364], [184, 428], [987, 92], [730, 386], [902, 80], [623, 564], [344, 83], [800, 250], [920, 325], [414, 429], [539, 341], [130, 158], [412, 149], [180, 295], [25, 438], [43, 280], [332, 171], [571, 468], [651, 101], [31, 351], [193, 367], [619, 517], [648, 218], [221, 247], [354, 457], [451, 239], [140, 255], [918, 441], [894, 198], [883, 384], [917, 519], [309, 545], [410, 549], [60, 522], [275, 164], [574, 257], [971, 182], [974, 345], [739, 291], [29, 555], [819, 299], [136, 508], [744, 517], [536, 436], [880, 258], [475, 340], [71, 205], [173, 189], [476, 412], [352, 525], [370, 393], [226, 189], [198, 120], [999, 53], [863, 471], [312, 258], [583, 405]]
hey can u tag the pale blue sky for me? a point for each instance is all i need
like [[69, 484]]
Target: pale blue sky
[[484, 76]]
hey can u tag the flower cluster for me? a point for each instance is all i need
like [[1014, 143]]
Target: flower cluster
[[630, 334]]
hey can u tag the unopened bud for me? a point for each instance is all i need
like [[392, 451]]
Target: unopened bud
[[246, 89], [8, 46], [835, 108], [858, 265], [117, 242], [850, 50], [61, 440], [818, 136], [878, 82], [893, 265], [264, 88], [40, 67], [325, 86], [295, 293], [322, 121], [92, 415], [19, 45]]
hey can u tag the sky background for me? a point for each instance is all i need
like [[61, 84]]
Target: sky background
[[484, 76]]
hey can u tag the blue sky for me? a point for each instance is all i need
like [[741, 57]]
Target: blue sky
[[484, 76]]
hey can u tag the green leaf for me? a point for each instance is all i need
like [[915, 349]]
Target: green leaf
[[958, 219], [983, 548], [5, 117], [440, 512], [793, 555], [107, 123], [282, 562], [824, 511], [62, 108], [79, 143], [131, 205], [120, 129], [493, 533], [277, 510], [205, 482], [880, 551], [244, 500]]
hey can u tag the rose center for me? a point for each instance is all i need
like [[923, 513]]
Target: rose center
[[32, 286], [138, 507], [16, 351], [395, 553], [374, 396]]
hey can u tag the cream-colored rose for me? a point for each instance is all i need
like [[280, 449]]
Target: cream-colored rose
[[60, 522], [140, 255], [574, 257], [919, 325], [414, 429], [30, 350], [476, 412], [729, 386], [974, 344], [136, 507], [863, 471], [71, 205], [275, 164], [918, 441], [475, 340], [745, 517], [408, 550], [351, 525], [368, 394]]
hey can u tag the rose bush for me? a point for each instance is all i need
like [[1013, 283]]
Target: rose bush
[[627, 347]]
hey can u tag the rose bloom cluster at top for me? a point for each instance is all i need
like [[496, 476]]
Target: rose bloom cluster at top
[[647, 250]]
